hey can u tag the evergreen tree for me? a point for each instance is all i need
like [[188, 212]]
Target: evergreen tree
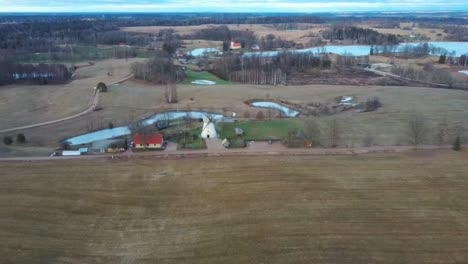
[[442, 58]]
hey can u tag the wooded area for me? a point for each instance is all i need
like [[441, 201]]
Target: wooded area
[[31, 73], [274, 70]]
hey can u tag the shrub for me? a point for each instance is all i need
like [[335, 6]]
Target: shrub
[[20, 138], [102, 87], [110, 125], [368, 141], [373, 104], [260, 115], [7, 140]]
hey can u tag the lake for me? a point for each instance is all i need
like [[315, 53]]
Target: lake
[[457, 48]]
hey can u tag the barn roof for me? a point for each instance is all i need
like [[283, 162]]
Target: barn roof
[[156, 138]]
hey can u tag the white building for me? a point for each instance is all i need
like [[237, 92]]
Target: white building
[[209, 130]]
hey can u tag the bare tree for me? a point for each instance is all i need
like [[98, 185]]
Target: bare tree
[[312, 131], [443, 131], [417, 129], [260, 115], [334, 133], [368, 140], [170, 93]]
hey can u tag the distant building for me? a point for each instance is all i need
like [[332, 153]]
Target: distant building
[[255, 47], [71, 153], [235, 45], [149, 141]]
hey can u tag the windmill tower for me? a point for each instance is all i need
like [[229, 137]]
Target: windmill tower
[[209, 130]]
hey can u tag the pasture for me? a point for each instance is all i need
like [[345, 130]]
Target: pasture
[[131, 101]]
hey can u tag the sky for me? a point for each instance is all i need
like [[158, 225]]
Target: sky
[[301, 6]]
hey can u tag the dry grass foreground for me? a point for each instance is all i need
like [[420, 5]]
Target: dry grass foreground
[[393, 208]]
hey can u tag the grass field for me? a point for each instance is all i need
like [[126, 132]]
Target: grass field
[[260, 130], [191, 75], [132, 101], [24, 104], [392, 208]]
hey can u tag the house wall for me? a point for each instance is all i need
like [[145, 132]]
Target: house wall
[[141, 146]]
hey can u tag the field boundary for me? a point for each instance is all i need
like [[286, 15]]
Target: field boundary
[[188, 154]]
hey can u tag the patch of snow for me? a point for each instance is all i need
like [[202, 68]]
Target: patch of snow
[[464, 72], [203, 82]]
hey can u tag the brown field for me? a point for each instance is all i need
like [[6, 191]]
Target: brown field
[[392, 208], [260, 30]]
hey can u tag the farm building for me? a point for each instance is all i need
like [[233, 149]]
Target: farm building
[[149, 141], [235, 45], [109, 145]]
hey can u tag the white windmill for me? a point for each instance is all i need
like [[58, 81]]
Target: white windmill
[[209, 130]]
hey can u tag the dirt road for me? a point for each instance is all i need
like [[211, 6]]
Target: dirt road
[[249, 151], [91, 108]]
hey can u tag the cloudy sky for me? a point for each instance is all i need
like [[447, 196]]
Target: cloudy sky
[[229, 5]]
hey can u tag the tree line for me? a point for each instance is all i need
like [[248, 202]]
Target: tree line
[[33, 73], [360, 35], [272, 70], [158, 70]]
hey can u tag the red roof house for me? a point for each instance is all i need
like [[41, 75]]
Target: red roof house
[[235, 45], [151, 141]]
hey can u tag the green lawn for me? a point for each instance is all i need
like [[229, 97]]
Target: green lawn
[[192, 75], [259, 130]]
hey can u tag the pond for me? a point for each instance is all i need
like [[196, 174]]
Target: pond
[[457, 48], [202, 51], [272, 105], [125, 130], [464, 72]]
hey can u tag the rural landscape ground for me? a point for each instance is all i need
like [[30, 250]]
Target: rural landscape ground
[[372, 169], [380, 208]]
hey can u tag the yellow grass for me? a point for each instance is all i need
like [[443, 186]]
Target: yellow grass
[[260, 30], [394, 208], [27, 104], [431, 33], [132, 101]]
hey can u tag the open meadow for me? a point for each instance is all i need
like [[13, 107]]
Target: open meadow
[[24, 104], [380, 208], [132, 101]]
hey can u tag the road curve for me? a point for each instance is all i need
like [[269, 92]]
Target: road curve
[[91, 108]]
